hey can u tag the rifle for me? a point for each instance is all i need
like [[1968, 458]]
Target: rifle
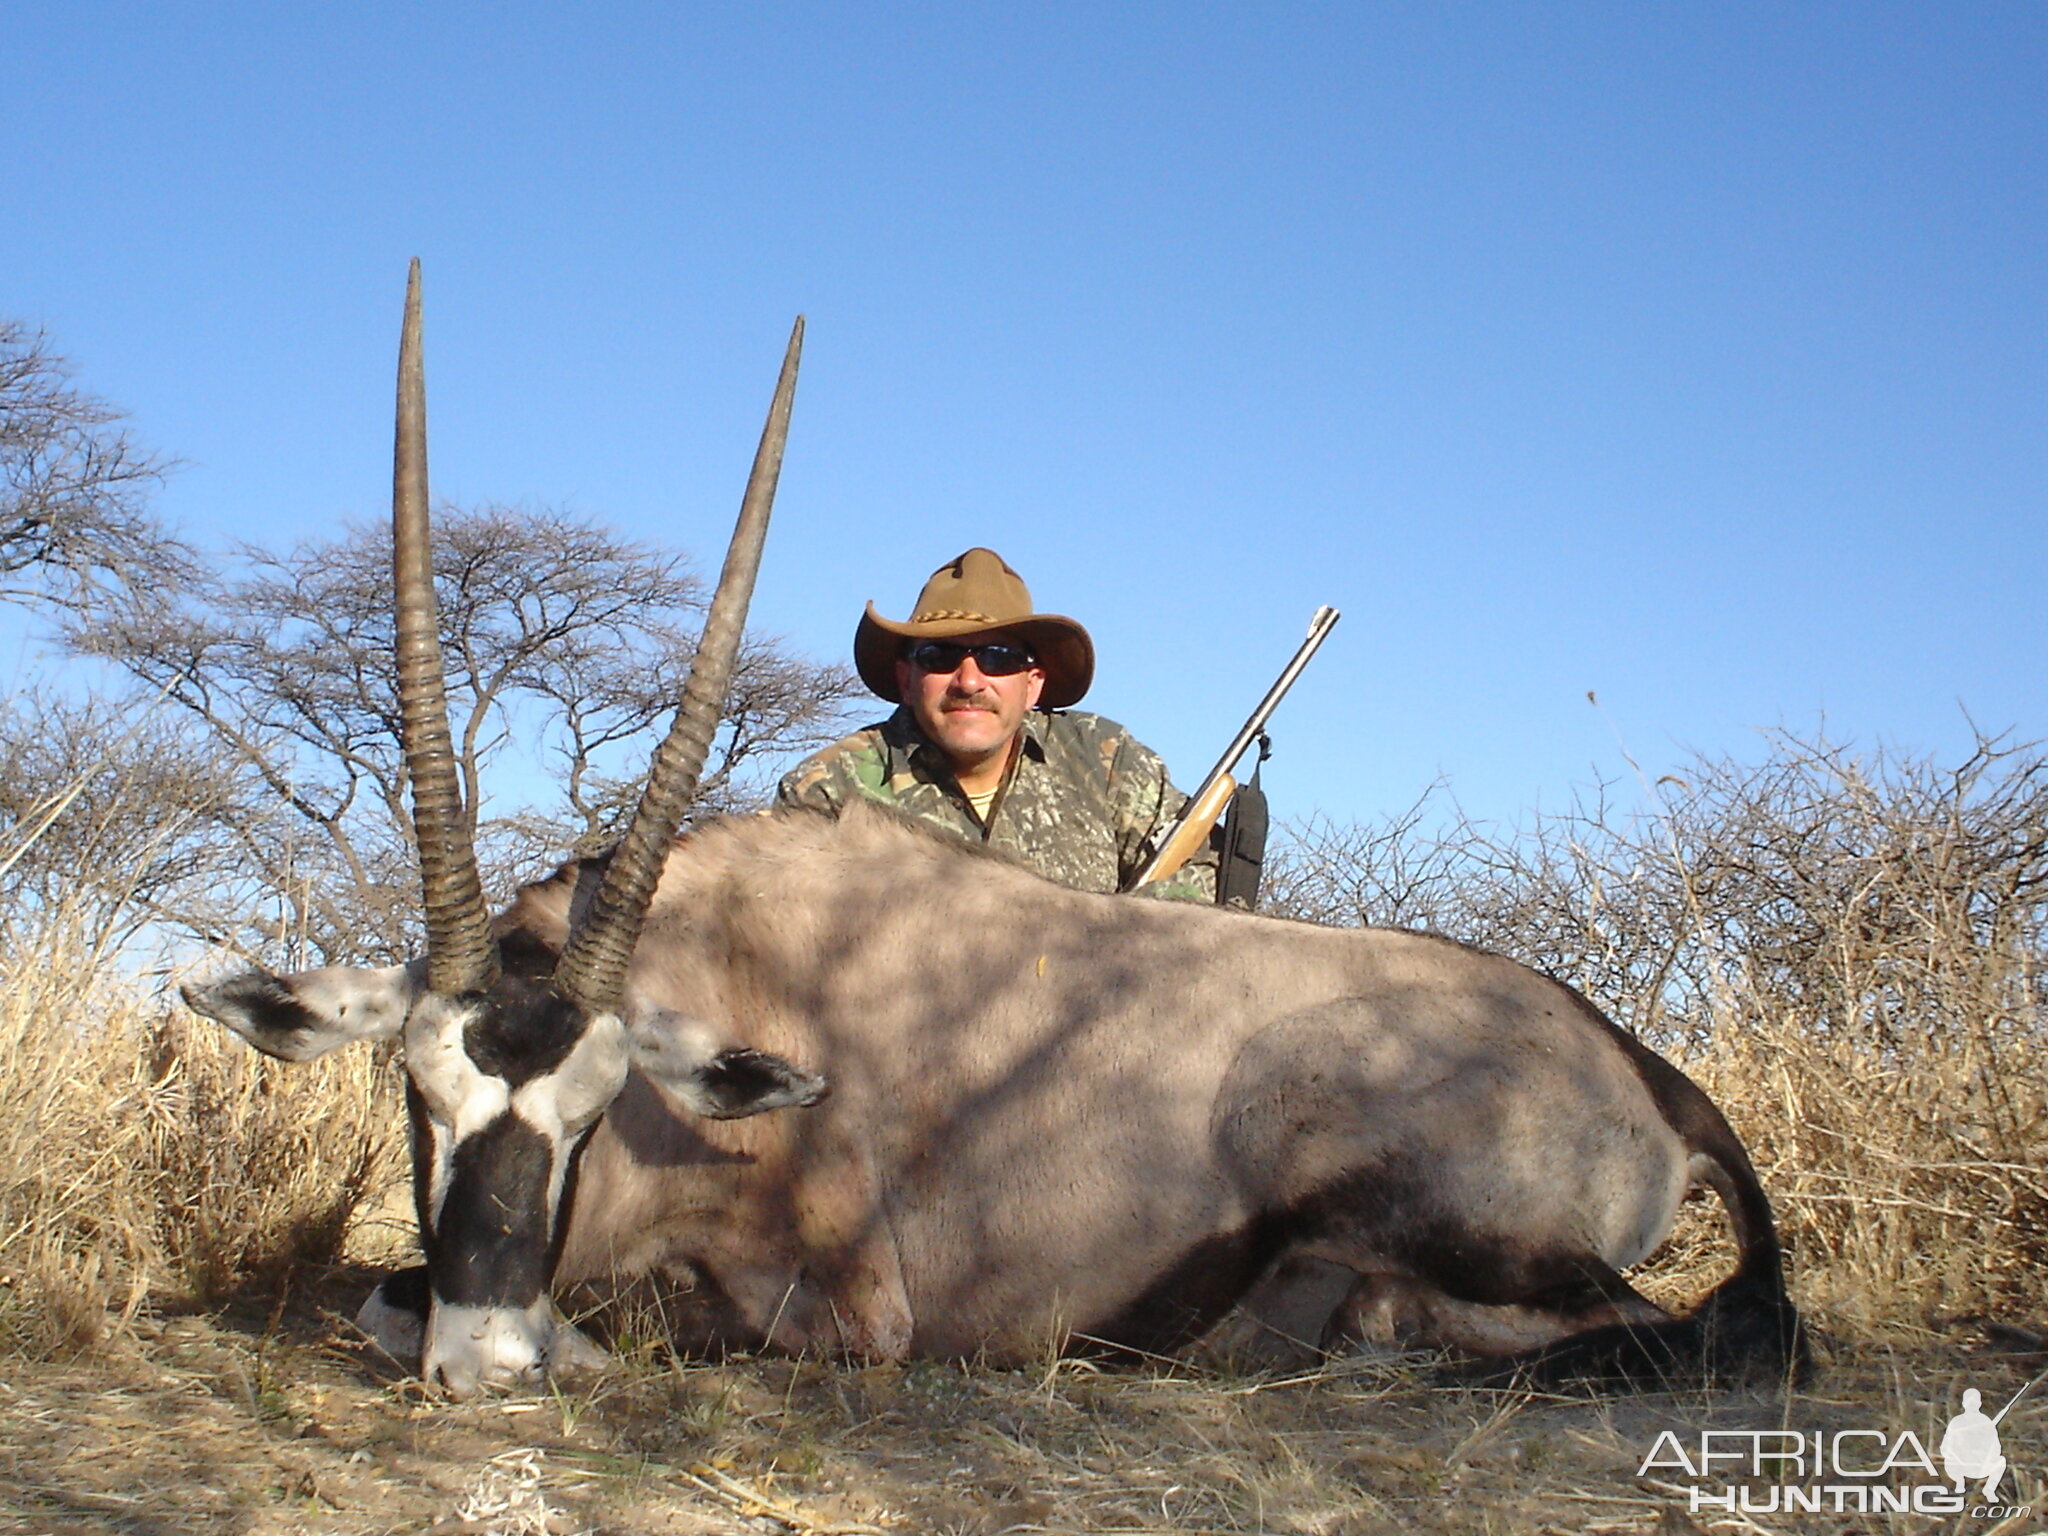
[[1207, 803]]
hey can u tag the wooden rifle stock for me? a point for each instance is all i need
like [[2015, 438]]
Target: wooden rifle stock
[[1193, 830]]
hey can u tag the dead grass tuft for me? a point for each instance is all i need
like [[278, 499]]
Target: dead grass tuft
[[146, 1158]]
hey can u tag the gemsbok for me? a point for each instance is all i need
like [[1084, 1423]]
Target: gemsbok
[[1053, 1118]]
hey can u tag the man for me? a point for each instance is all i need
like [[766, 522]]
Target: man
[[982, 742]]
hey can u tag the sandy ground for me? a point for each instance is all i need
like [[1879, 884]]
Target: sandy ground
[[273, 1424]]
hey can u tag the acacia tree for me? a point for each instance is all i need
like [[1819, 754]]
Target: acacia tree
[[565, 649], [108, 813], [74, 486]]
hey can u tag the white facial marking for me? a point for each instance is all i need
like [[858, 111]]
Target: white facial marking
[[479, 1349], [474, 1349], [461, 1098], [567, 1102], [568, 1099]]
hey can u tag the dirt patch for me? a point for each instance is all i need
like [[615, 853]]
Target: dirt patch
[[280, 1424]]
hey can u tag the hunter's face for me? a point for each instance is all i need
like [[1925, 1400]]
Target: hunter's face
[[971, 714]]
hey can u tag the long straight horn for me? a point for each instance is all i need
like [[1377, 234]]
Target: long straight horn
[[592, 969], [460, 956]]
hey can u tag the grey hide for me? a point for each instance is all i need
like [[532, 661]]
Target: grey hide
[[1058, 1117]]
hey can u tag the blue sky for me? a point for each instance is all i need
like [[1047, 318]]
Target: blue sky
[[1689, 355]]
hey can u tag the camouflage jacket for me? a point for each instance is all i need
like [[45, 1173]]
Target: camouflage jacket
[[1083, 803]]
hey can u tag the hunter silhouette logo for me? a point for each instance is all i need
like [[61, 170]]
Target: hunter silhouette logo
[[1859, 1471], [1969, 1446]]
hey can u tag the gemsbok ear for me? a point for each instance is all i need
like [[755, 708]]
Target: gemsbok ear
[[296, 1018], [718, 1082]]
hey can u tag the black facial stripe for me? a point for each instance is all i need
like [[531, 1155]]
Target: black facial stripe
[[527, 1031], [525, 955], [493, 1243], [422, 1127]]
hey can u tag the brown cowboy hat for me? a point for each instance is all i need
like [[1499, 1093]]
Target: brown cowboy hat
[[970, 596]]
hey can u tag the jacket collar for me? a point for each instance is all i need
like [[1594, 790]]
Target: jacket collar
[[901, 729]]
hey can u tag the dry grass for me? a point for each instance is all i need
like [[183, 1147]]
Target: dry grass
[[277, 1430], [1907, 1192], [1861, 990], [147, 1159]]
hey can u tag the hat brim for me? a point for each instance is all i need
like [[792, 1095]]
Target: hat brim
[[1062, 646]]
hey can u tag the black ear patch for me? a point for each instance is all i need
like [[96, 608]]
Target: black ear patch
[[257, 1006], [744, 1081]]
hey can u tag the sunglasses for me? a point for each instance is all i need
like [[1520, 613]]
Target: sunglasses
[[996, 658]]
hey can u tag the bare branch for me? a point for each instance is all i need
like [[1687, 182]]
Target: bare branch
[[565, 646], [74, 486]]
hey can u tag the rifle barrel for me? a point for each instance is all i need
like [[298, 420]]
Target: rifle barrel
[[2023, 1391], [1319, 628]]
